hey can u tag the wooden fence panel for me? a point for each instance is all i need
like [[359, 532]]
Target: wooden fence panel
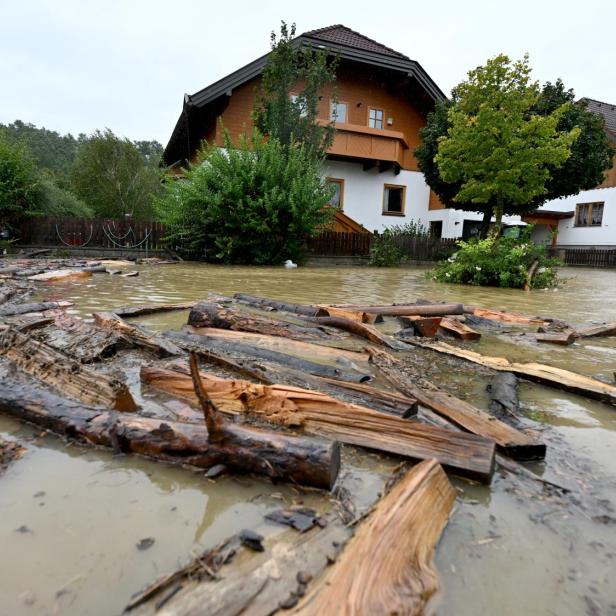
[[594, 257]]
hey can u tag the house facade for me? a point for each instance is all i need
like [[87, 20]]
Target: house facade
[[383, 98]]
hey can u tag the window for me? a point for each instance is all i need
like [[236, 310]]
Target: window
[[338, 112], [589, 214], [375, 118], [436, 228], [302, 104], [338, 196], [393, 200]]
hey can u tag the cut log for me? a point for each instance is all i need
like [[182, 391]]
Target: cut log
[[297, 459], [538, 373], [265, 303], [608, 329], [66, 274], [353, 315], [12, 309], [423, 326], [387, 567], [468, 417], [503, 391], [139, 311], [369, 332], [239, 350], [137, 336], [209, 314], [64, 374], [424, 310], [459, 330], [464, 454], [562, 338], [507, 317]]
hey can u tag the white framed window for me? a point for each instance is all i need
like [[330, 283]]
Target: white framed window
[[338, 112], [338, 187], [589, 214], [375, 118], [394, 196]]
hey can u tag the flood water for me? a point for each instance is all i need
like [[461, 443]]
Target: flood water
[[71, 517]]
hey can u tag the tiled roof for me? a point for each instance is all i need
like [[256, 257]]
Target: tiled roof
[[608, 112], [342, 35]]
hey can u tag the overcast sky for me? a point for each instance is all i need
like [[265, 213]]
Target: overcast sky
[[77, 65]]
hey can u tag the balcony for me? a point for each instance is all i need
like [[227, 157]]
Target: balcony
[[372, 145]]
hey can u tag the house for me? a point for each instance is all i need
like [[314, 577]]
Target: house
[[586, 220], [383, 98]]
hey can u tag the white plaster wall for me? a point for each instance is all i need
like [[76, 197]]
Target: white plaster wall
[[363, 194], [570, 235]]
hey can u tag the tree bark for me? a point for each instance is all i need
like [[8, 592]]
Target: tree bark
[[266, 303], [465, 454], [138, 311], [609, 329], [296, 459], [387, 567], [13, 309], [63, 373]]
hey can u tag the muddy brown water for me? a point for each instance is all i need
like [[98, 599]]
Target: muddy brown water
[[513, 548]]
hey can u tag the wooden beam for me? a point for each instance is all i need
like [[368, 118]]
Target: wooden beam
[[459, 330], [562, 338], [425, 310], [423, 326], [387, 567], [607, 329], [144, 309], [369, 332]]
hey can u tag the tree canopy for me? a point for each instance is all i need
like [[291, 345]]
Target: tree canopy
[[111, 175], [590, 153], [288, 103]]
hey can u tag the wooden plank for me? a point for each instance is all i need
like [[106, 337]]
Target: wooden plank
[[426, 310], [387, 567], [63, 373], [369, 332], [539, 373], [423, 326], [459, 330], [508, 317], [607, 329], [353, 315], [562, 338], [464, 454]]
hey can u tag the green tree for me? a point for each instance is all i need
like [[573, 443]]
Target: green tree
[[53, 200], [111, 175], [253, 202], [591, 152], [19, 182], [288, 103]]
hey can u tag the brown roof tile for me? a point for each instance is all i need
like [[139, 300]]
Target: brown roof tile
[[607, 110], [342, 35]]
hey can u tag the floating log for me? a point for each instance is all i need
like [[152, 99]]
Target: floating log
[[387, 567], [423, 326], [190, 341], [318, 414], [507, 317], [12, 309], [297, 459], [539, 373], [459, 330], [65, 274], [63, 373], [139, 311], [564, 338], [513, 442], [608, 329], [265, 303], [369, 332], [424, 310], [137, 336]]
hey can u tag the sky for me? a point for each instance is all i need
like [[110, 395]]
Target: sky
[[78, 65]]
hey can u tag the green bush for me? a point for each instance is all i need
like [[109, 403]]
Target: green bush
[[413, 228], [502, 262], [57, 201], [254, 203], [384, 252]]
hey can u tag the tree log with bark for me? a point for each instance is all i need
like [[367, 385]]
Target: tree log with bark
[[423, 310], [271, 304]]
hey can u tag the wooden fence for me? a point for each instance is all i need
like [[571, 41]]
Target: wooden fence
[[93, 233], [595, 257], [331, 243]]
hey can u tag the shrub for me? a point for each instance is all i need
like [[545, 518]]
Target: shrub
[[384, 252], [57, 201], [255, 203], [502, 262], [413, 228]]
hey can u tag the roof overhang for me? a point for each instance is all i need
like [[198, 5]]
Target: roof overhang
[[546, 215]]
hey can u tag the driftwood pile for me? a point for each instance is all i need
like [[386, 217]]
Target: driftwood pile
[[273, 388]]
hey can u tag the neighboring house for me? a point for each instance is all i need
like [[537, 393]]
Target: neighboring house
[[383, 100], [588, 219]]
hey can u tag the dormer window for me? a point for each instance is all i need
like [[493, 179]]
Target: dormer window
[[338, 113], [375, 118]]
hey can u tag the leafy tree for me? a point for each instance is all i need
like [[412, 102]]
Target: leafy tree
[[19, 182], [110, 175], [591, 152], [496, 147], [291, 68], [254, 202], [151, 151], [53, 200]]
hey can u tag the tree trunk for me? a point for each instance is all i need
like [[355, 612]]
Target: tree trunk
[[485, 223], [369, 332], [497, 226], [264, 303], [316, 413], [296, 459], [387, 567], [138, 311], [424, 310], [13, 309], [65, 374]]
